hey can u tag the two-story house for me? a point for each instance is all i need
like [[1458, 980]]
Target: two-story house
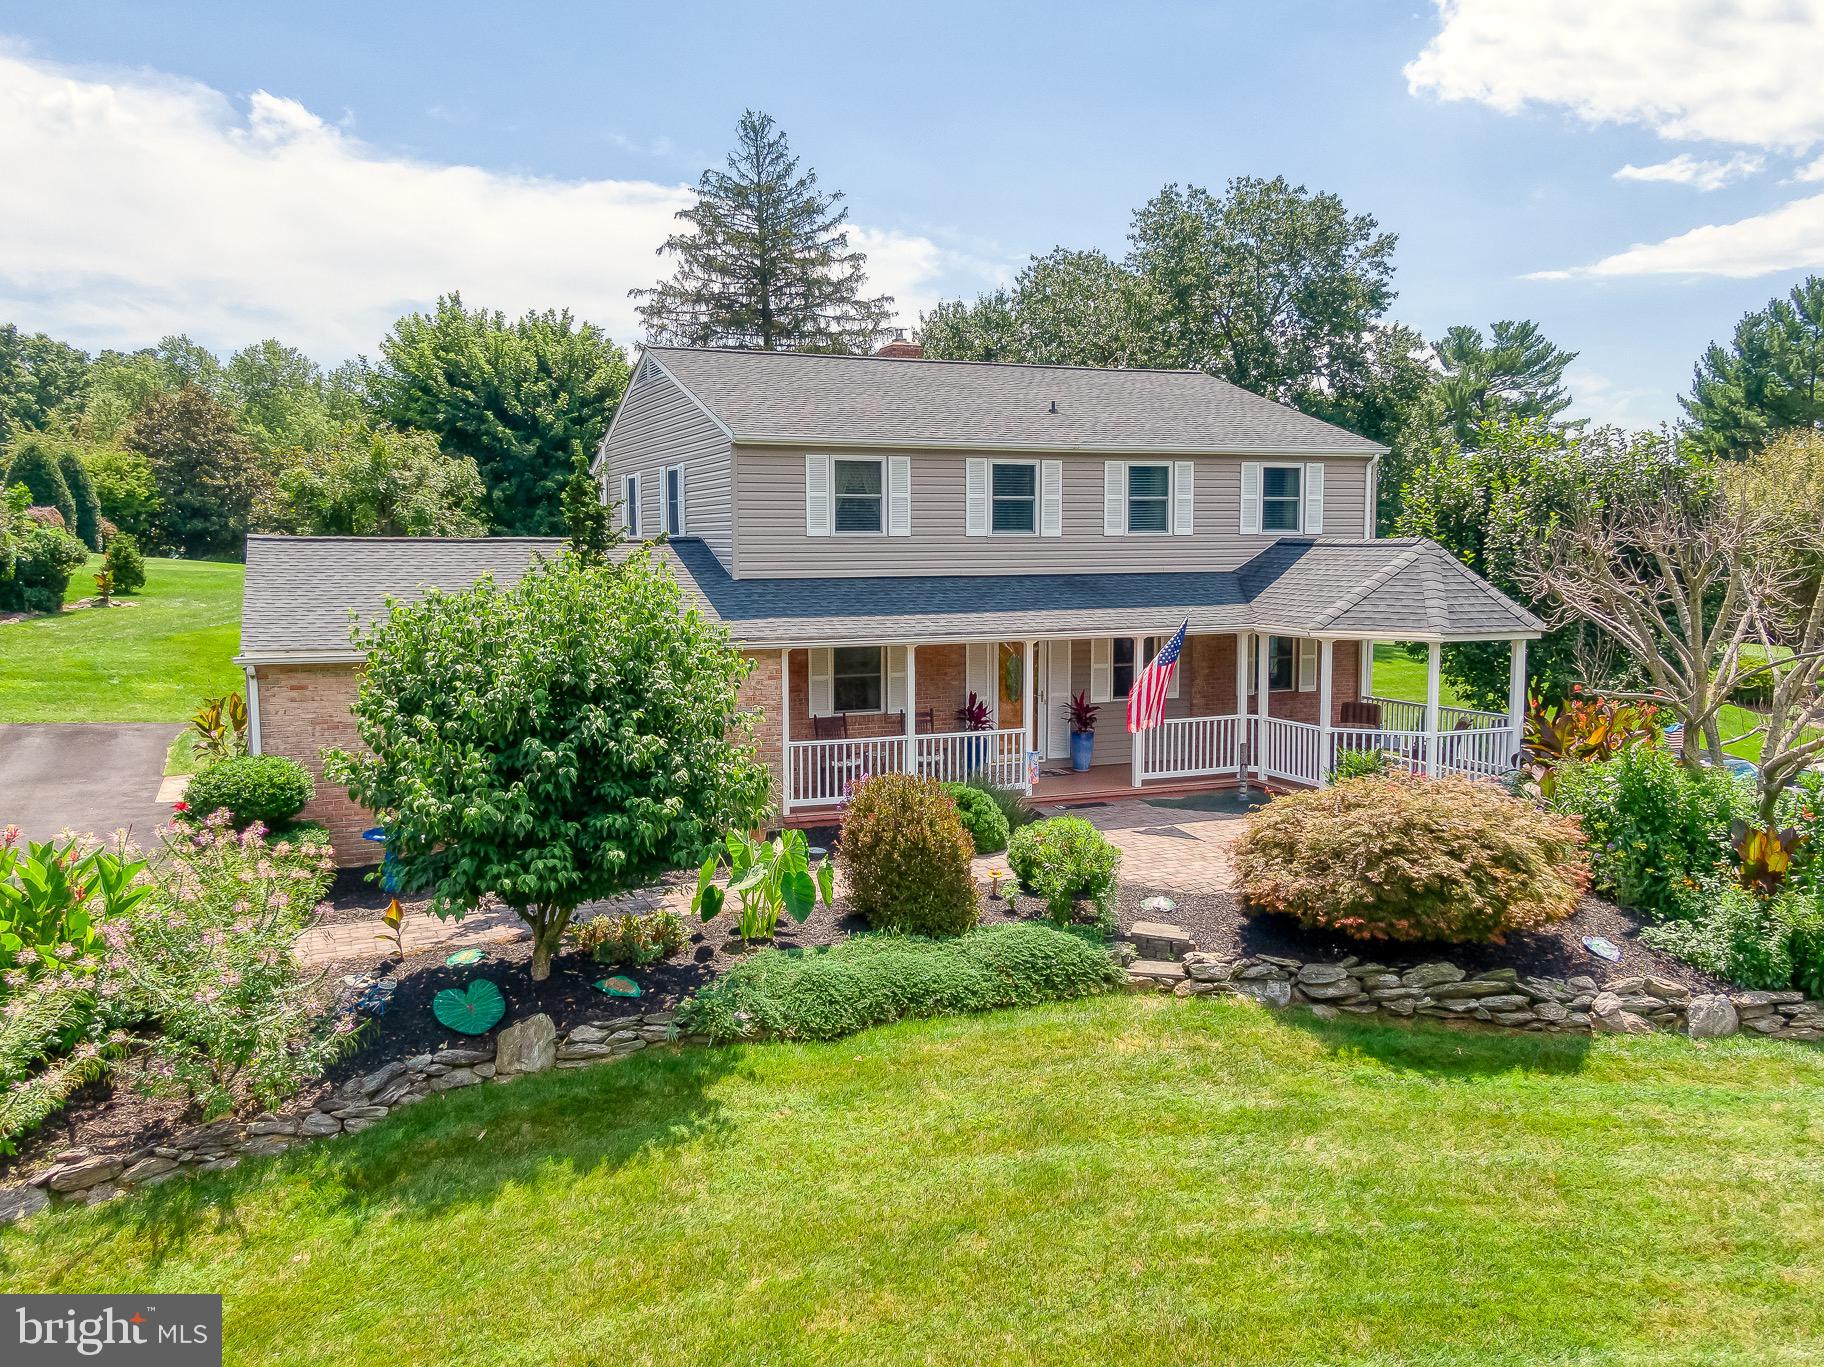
[[888, 536]]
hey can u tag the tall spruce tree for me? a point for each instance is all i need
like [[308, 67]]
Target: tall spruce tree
[[1769, 377], [768, 264]]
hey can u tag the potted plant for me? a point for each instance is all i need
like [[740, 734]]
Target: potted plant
[[1082, 732], [973, 715]]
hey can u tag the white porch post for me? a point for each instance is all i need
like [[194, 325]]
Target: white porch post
[[1433, 657], [1364, 679], [911, 708], [785, 730], [1516, 692], [1326, 657], [1263, 656], [1139, 737], [1243, 762], [1029, 724]]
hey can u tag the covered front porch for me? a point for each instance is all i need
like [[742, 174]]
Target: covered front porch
[[1271, 708]]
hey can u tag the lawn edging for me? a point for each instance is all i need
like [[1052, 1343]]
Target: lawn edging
[[528, 1046], [1497, 997]]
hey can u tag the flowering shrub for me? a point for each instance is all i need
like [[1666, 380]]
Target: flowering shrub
[[1403, 858], [208, 965], [1656, 828]]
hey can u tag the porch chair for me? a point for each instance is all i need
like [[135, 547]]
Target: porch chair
[[1361, 712]]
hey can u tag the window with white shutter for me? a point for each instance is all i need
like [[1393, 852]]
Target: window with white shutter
[[674, 500], [1307, 665], [1314, 500], [822, 667], [975, 497], [816, 495], [1250, 498], [1101, 669], [1281, 498], [896, 679], [1114, 498], [630, 505], [1013, 497], [899, 496], [1184, 496], [978, 675], [1051, 498]]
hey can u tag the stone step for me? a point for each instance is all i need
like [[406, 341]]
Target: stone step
[[1160, 940], [1156, 970]]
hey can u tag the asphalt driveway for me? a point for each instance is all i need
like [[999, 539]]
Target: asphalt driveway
[[88, 776]]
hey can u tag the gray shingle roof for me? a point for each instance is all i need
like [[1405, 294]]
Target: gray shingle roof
[[301, 591], [792, 396]]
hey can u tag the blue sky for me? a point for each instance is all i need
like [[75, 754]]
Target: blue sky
[[309, 171]]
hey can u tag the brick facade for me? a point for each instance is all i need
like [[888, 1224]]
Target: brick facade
[[305, 709]]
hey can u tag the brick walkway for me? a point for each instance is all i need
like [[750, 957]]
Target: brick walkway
[[1172, 849]]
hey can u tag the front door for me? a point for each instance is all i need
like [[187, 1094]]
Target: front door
[[1053, 681]]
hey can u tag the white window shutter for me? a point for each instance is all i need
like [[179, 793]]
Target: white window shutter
[[896, 677], [899, 496], [1051, 498], [822, 689], [975, 497], [1314, 500], [1307, 665], [978, 672], [1114, 498], [1101, 669], [1250, 498], [816, 495], [1184, 496]]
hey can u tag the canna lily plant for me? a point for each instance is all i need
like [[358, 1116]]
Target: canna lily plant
[[1764, 855], [767, 878]]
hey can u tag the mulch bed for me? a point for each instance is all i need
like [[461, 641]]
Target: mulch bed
[[116, 1119]]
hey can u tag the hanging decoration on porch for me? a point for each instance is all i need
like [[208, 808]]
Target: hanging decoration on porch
[[1146, 699]]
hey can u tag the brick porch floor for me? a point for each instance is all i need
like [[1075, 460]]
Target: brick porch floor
[[1173, 848]]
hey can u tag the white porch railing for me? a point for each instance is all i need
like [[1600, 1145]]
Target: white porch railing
[[1294, 751], [999, 757], [1403, 714], [820, 773], [1191, 747]]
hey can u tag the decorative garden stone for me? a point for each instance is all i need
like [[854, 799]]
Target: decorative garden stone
[[1711, 1017], [528, 1046]]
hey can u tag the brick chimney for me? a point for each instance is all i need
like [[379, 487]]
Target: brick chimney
[[900, 348]]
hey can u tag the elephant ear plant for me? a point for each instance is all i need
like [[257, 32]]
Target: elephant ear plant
[[766, 878]]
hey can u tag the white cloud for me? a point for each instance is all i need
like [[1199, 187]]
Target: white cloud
[[1596, 397], [1785, 239], [143, 204], [1685, 169], [1730, 71]]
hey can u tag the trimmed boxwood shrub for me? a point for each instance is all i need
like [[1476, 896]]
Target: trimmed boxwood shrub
[[905, 857], [981, 816], [265, 788], [32, 461], [1065, 860], [1401, 858], [873, 979]]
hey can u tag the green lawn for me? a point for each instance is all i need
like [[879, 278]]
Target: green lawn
[[154, 661], [1126, 1179]]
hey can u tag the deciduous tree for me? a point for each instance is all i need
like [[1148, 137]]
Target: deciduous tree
[[550, 744], [204, 468], [515, 397], [381, 482]]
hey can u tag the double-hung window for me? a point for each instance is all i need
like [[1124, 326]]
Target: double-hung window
[[1281, 498], [1121, 666], [1281, 663], [856, 679], [630, 505], [1149, 498], [674, 500], [858, 489], [1015, 497]]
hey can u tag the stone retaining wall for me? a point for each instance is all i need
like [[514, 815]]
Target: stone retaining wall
[[528, 1046], [1499, 996]]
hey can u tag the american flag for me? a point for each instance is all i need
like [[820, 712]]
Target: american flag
[[1146, 699]]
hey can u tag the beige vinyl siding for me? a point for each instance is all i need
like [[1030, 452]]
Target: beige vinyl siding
[[772, 540], [659, 425]]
